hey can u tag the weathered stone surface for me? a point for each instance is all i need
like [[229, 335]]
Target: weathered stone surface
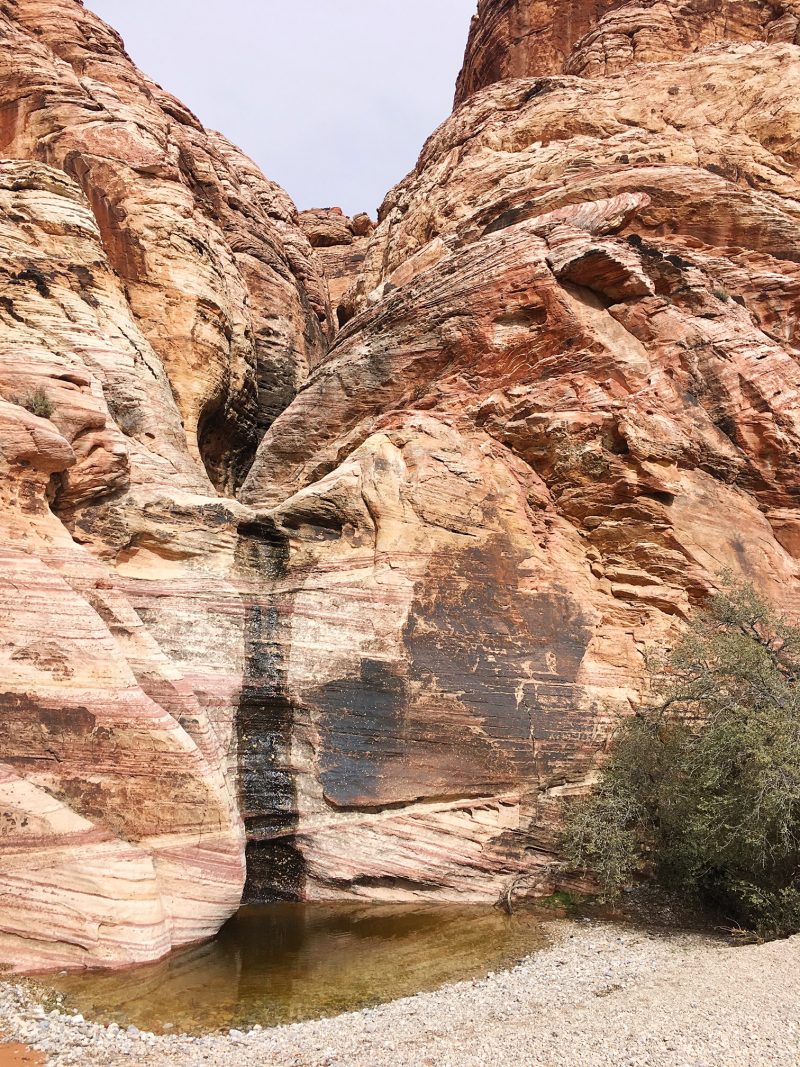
[[341, 245], [216, 270], [662, 30], [524, 38], [565, 399], [120, 835], [562, 397], [532, 38], [158, 305]]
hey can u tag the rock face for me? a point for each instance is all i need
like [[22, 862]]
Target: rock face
[[524, 38], [159, 304], [565, 399], [532, 38], [214, 266], [341, 246], [368, 598]]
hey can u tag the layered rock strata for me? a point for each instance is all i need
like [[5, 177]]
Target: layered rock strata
[[563, 402], [367, 590], [159, 304], [528, 38], [216, 270], [341, 246]]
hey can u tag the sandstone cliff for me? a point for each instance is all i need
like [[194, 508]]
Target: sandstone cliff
[[365, 586], [159, 298], [341, 246], [565, 399]]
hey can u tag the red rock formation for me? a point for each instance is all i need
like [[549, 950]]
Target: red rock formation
[[158, 306], [191, 226], [523, 39], [531, 38], [341, 245], [563, 398]]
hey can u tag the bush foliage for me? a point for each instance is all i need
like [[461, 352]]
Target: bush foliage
[[38, 403], [702, 788]]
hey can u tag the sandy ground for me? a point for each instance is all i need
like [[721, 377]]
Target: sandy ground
[[12, 1054], [600, 995]]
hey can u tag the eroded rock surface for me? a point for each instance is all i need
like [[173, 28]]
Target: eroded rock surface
[[472, 462], [159, 304], [216, 270], [531, 38], [341, 246], [565, 400]]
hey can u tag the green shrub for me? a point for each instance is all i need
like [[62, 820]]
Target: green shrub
[[702, 788], [38, 403]]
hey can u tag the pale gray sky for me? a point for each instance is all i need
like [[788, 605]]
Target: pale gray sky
[[332, 98]]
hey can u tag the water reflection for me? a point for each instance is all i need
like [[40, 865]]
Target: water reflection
[[284, 962]]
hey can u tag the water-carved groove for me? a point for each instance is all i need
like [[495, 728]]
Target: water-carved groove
[[264, 726]]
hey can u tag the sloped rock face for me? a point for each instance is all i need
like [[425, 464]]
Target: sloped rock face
[[531, 38], [120, 833], [558, 396], [159, 305], [524, 38], [216, 271], [565, 399]]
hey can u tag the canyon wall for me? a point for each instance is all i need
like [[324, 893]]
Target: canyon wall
[[537, 38], [340, 547], [563, 401], [159, 305], [341, 247]]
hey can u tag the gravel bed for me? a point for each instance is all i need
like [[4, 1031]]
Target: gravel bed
[[600, 994]]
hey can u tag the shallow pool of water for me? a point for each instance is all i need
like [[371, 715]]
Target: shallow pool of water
[[280, 963]]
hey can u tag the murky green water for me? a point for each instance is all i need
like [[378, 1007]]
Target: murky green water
[[284, 962]]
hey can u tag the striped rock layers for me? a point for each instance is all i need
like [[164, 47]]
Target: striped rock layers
[[159, 305], [564, 400], [361, 592]]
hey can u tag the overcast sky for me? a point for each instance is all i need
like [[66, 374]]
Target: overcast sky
[[332, 98]]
